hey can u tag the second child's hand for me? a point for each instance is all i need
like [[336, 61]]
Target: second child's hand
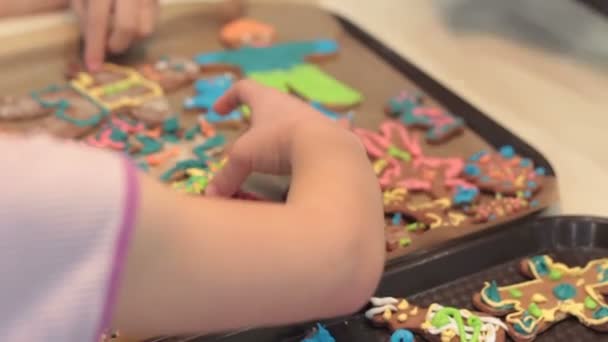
[[113, 25]]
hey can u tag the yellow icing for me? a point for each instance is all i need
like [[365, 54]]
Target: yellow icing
[[437, 221], [456, 218], [447, 335], [402, 317], [403, 305], [580, 282], [414, 311], [426, 325], [394, 195], [387, 314], [539, 298], [84, 84], [379, 166]]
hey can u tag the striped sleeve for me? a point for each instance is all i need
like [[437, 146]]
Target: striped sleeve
[[66, 216]]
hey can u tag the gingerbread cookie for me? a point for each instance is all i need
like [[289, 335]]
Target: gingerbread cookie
[[504, 172], [436, 323], [555, 292], [498, 208], [21, 108], [171, 73], [208, 91], [286, 67], [247, 32], [400, 163], [411, 111]]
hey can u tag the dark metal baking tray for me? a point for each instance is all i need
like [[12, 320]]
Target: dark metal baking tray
[[451, 276]]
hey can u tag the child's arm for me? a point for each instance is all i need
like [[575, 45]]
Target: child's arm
[[21, 7], [206, 264]]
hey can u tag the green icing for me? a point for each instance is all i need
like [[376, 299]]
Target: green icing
[[314, 84], [590, 303], [151, 145], [515, 293], [215, 141], [276, 79], [534, 310], [405, 241], [183, 165], [442, 318], [171, 125], [192, 132], [398, 153], [555, 274], [564, 291], [412, 227]]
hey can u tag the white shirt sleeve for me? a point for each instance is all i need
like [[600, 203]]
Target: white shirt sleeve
[[66, 214]]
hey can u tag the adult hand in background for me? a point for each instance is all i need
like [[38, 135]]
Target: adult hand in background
[[113, 25]]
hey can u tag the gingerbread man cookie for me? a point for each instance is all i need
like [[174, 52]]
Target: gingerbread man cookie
[[436, 323], [287, 67], [498, 208], [504, 172], [555, 292], [171, 73], [319, 334], [247, 32], [410, 110]]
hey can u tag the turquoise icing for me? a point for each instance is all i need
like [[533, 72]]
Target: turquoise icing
[[477, 156], [540, 265], [525, 162], [61, 107], [151, 145], [402, 335], [208, 91], [507, 151], [526, 322], [465, 195], [214, 117], [540, 171], [403, 103], [172, 138], [564, 291], [532, 184], [604, 275], [278, 56], [321, 335], [215, 141], [397, 219], [492, 292], [527, 194], [171, 125], [601, 313], [118, 135], [143, 165], [192, 132], [534, 203], [472, 170], [325, 111]]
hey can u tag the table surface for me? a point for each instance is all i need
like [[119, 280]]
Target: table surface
[[540, 68]]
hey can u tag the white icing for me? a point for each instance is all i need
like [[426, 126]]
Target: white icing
[[161, 65], [488, 332], [381, 305]]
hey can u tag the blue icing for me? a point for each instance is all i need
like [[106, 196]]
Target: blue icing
[[208, 91], [601, 313], [564, 291], [472, 170], [397, 219], [525, 322], [540, 265], [525, 162], [532, 184], [540, 171], [507, 151], [527, 194], [325, 111], [402, 335], [604, 275], [214, 117], [492, 292], [534, 203], [465, 195], [321, 335], [278, 56]]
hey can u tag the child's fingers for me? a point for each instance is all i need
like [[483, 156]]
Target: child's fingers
[[147, 19], [242, 92], [97, 15], [79, 9], [126, 25], [239, 166]]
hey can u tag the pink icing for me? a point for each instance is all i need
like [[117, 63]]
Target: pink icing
[[104, 141], [126, 126]]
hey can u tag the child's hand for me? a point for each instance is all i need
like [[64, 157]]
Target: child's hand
[[265, 147], [113, 25]]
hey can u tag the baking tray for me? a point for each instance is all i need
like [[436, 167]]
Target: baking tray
[[451, 276], [363, 63]]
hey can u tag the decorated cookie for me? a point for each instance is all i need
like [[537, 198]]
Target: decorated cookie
[[555, 292], [21, 108], [400, 163], [410, 110], [287, 67], [247, 32], [171, 73], [319, 334], [436, 323], [504, 172], [497, 208], [402, 335]]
